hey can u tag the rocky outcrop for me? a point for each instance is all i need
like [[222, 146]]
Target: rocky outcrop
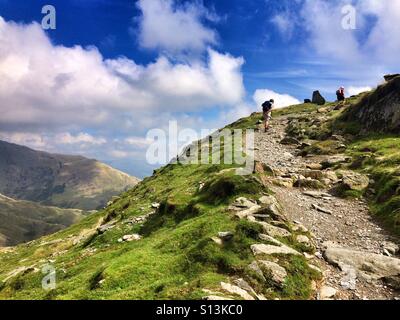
[[379, 110], [390, 77], [369, 266], [267, 249], [318, 99], [353, 181]]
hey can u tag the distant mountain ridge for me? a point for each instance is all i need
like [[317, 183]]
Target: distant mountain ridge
[[22, 221], [58, 180]]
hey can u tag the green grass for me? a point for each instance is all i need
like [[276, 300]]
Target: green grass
[[296, 110], [175, 259], [379, 156]]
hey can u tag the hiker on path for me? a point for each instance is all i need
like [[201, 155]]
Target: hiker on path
[[267, 111], [340, 94]]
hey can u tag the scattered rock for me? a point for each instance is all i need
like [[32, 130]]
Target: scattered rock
[[270, 239], [349, 280], [390, 247], [242, 203], [245, 286], [254, 267], [217, 240], [105, 227], [273, 271], [131, 237], [353, 181], [298, 226], [283, 182], [327, 292], [315, 268], [274, 231], [337, 137], [369, 266], [268, 200], [303, 239], [335, 160], [290, 141], [307, 100], [320, 209], [309, 183], [316, 194], [260, 249], [225, 236], [216, 298], [248, 212], [236, 290], [155, 205], [314, 166], [323, 110]]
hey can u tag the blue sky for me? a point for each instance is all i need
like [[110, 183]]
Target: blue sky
[[114, 69]]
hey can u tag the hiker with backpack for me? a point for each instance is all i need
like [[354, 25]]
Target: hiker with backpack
[[340, 94], [267, 107]]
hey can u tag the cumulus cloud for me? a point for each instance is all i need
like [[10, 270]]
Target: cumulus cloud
[[375, 43], [80, 138], [285, 24], [281, 100], [46, 84], [166, 25], [356, 90], [52, 96]]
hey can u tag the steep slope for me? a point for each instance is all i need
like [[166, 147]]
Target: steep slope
[[23, 221], [379, 110], [58, 180], [201, 231], [187, 232]]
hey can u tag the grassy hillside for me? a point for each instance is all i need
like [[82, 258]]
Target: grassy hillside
[[176, 258], [58, 180], [22, 221]]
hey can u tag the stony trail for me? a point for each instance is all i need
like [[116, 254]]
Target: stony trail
[[348, 223]]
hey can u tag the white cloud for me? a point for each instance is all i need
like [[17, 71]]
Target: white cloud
[[33, 140], [119, 154], [166, 25], [323, 22], [80, 138], [356, 90], [51, 96], [71, 87], [285, 24], [138, 142], [375, 43], [281, 100]]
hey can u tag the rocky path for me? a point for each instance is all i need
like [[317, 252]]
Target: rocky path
[[346, 223]]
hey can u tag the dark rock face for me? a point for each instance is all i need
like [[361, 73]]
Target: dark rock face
[[379, 111], [390, 77], [307, 101], [318, 98]]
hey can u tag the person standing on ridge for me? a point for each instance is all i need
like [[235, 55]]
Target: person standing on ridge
[[340, 94], [267, 111]]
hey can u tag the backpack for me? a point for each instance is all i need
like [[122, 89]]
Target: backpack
[[267, 106]]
